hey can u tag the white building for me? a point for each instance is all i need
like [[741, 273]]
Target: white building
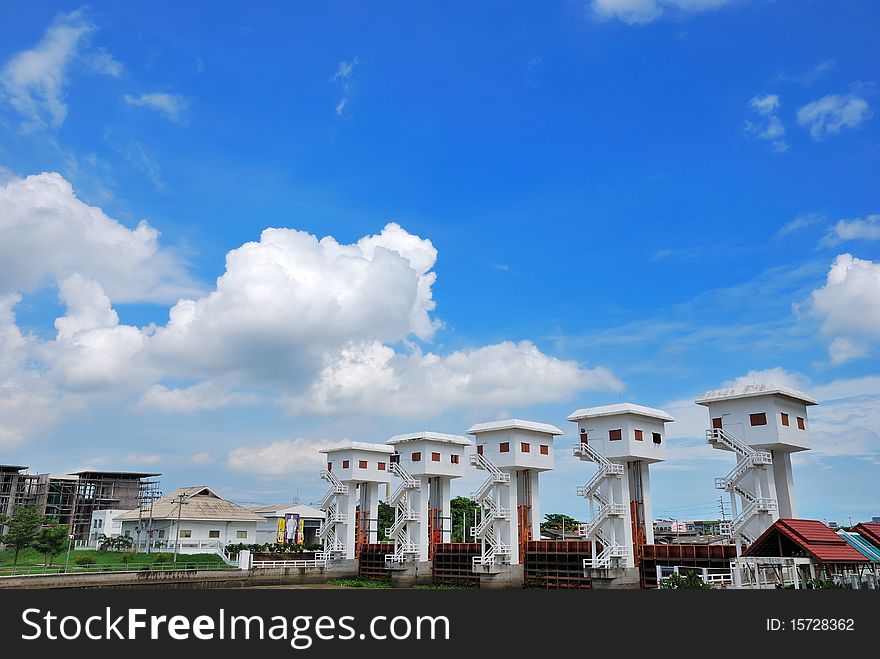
[[763, 424], [293, 523], [426, 462], [513, 452], [198, 519], [355, 470], [622, 439], [104, 523]]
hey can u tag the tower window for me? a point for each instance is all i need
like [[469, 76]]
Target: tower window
[[454, 459], [504, 447], [329, 466], [638, 435], [802, 425], [759, 419], [417, 456], [362, 464], [525, 448], [784, 417], [545, 449], [345, 464], [657, 438], [435, 457], [480, 449], [381, 466], [614, 435], [716, 423]]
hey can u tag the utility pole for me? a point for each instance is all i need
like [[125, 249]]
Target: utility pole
[[721, 505], [181, 501]]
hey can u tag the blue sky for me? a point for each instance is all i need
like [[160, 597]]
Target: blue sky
[[524, 210]]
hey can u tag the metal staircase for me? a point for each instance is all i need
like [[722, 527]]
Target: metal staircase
[[333, 543], [612, 551], [493, 549], [405, 546], [750, 462]]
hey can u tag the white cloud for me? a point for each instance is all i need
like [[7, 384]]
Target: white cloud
[[103, 62], [49, 234], [811, 77], [802, 221], [92, 350], [289, 299], [640, 12], [777, 375], [26, 402], [866, 228], [141, 459], [843, 350], [196, 398], [172, 106], [372, 377], [342, 77], [849, 306], [33, 81], [203, 458], [770, 127], [282, 459], [830, 114]]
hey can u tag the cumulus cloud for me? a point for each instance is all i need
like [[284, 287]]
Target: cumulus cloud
[[372, 377], [776, 375], [34, 80], [866, 228], [831, 114], [92, 350], [103, 62], [640, 12], [50, 234], [171, 106], [25, 402], [317, 326], [281, 459], [849, 306], [288, 299], [769, 127]]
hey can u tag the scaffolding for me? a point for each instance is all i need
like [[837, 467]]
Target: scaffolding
[[106, 490]]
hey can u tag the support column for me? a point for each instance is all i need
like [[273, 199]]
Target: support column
[[647, 504], [535, 504], [422, 527], [349, 507], [512, 521], [784, 481], [445, 486], [625, 536]]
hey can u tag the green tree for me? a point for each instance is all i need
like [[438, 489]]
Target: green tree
[[689, 581], [464, 512], [22, 529], [386, 519], [51, 541], [560, 522]]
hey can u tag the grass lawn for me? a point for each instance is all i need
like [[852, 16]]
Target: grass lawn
[[113, 560]]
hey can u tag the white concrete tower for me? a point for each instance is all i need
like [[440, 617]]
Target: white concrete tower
[[354, 470], [426, 463], [513, 452], [622, 439], [763, 424]]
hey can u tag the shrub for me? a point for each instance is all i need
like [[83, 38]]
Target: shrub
[[84, 560], [689, 581], [161, 558]]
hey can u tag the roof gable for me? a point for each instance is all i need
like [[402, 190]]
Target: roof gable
[[809, 537]]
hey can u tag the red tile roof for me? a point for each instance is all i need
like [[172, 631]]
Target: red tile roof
[[870, 532], [810, 535]]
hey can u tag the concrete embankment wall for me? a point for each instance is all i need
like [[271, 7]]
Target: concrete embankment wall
[[276, 576]]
